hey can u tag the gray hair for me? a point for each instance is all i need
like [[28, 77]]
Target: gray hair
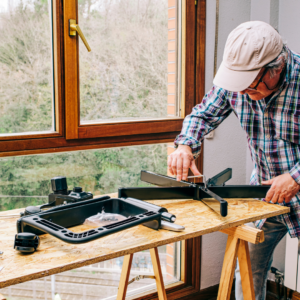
[[278, 63]]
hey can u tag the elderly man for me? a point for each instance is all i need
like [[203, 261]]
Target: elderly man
[[259, 81]]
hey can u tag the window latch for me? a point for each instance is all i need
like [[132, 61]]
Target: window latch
[[73, 29]]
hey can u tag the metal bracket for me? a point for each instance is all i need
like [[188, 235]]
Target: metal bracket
[[139, 277], [204, 179], [214, 188]]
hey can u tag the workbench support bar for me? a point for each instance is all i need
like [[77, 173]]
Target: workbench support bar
[[228, 268], [124, 277], [246, 271], [246, 233]]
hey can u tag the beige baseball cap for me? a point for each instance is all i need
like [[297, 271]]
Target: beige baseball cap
[[249, 47]]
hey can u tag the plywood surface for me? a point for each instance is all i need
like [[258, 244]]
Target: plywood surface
[[55, 256]]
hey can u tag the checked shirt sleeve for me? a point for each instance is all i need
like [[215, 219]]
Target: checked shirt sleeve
[[295, 173], [204, 118]]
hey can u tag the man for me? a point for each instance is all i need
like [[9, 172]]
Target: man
[[259, 81]]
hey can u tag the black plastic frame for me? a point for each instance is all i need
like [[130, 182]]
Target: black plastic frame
[[57, 220]]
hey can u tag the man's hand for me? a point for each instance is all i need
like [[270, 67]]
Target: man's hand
[[180, 161], [283, 188]]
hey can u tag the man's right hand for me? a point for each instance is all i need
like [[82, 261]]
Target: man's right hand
[[180, 161]]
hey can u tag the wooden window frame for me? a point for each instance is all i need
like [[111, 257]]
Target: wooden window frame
[[75, 130], [192, 90], [148, 132], [58, 90]]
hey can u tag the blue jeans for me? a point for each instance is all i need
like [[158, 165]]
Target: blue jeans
[[261, 256]]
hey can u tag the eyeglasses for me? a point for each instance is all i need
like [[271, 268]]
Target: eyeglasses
[[261, 80]]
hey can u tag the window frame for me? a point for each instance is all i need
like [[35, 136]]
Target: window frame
[[75, 130], [69, 137], [57, 87]]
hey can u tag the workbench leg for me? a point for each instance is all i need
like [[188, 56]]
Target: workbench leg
[[158, 274], [124, 277], [246, 271], [228, 268], [2, 297]]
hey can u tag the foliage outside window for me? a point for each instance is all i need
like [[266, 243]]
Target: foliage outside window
[[125, 74], [25, 180], [25, 66]]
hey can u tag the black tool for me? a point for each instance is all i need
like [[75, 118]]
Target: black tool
[[169, 188], [26, 242], [70, 208], [60, 196], [56, 221]]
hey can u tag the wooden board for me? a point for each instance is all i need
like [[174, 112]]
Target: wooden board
[[55, 256]]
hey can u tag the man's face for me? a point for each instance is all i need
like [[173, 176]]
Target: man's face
[[266, 86]]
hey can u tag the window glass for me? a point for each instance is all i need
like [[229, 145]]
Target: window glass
[[26, 79], [101, 280], [25, 180], [132, 71]]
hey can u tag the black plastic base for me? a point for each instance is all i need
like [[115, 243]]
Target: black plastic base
[[57, 220]]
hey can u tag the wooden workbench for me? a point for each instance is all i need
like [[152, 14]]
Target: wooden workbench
[[55, 256]]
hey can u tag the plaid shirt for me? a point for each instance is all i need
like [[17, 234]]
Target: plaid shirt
[[272, 130]]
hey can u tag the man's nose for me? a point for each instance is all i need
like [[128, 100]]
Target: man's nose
[[243, 92]]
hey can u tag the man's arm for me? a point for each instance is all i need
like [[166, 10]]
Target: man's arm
[[204, 118], [284, 187]]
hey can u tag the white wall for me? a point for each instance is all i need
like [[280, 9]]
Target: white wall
[[289, 23], [228, 148]]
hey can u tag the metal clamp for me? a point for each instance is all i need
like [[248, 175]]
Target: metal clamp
[[139, 277], [204, 179]]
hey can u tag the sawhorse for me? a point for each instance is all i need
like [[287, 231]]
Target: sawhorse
[[237, 247]]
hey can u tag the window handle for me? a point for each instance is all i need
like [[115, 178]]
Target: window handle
[[73, 28]]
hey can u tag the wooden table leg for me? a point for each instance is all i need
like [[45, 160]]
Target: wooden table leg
[[237, 246], [124, 277], [246, 271], [2, 297], [228, 268], [158, 274]]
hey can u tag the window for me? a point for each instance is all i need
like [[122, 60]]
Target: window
[[26, 64], [25, 180], [91, 99], [124, 80], [124, 77], [58, 111], [99, 281]]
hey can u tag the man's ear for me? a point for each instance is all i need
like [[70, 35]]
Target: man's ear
[[281, 67]]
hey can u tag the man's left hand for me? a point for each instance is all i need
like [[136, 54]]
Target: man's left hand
[[283, 188]]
